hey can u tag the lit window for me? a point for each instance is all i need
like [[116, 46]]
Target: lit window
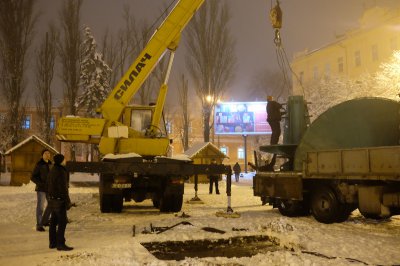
[[52, 122], [315, 73], [340, 65], [224, 150], [26, 123], [357, 58], [374, 50], [240, 153]]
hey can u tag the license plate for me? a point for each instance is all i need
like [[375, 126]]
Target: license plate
[[116, 185]]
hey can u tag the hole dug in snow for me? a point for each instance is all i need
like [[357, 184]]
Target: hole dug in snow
[[241, 246]]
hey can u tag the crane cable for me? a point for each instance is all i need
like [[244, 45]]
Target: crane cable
[[275, 16]]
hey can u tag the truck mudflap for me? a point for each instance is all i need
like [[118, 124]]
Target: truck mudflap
[[285, 185]]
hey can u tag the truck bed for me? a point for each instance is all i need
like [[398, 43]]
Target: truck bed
[[378, 163]]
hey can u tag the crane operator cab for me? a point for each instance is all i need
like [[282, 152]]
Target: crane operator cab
[[139, 117]]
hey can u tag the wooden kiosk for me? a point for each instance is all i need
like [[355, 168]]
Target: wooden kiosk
[[24, 156], [203, 153]]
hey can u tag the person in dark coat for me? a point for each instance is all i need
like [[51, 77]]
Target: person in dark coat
[[274, 116], [274, 112], [237, 170], [59, 203], [214, 179], [39, 177]]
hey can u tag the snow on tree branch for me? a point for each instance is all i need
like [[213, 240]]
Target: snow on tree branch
[[94, 76]]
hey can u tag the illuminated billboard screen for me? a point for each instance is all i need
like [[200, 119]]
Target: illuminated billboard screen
[[241, 118]]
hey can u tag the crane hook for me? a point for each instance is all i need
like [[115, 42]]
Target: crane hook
[[275, 15]]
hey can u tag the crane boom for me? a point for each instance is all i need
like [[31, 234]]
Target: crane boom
[[166, 37], [115, 132]]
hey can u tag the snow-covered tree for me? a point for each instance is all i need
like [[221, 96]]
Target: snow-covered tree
[[329, 92], [94, 76], [326, 93], [388, 78]]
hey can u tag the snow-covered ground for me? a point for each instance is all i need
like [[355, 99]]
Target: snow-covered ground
[[107, 239]]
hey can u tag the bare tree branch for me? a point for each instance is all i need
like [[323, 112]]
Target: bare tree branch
[[183, 89], [45, 60], [268, 82], [211, 61], [69, 51], [17, 20]]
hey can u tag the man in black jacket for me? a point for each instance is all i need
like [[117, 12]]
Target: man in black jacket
[[39, 177], [59, 203], [237, 170], [274, 116], [274, 112], [214, 179]]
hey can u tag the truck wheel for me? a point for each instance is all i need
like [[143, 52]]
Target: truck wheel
[[106, 200], [171, 203], [176, 202], [325, 205], [292, 208], [156, 202], [344, 211], [105, 203], [117, 203], [165, 203]]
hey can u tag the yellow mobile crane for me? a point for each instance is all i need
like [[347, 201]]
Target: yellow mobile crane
[[135, 130], [122, 129]]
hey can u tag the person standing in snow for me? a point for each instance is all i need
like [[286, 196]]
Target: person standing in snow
[[39, 177], [237, 170], [214, 179], [59, 203]]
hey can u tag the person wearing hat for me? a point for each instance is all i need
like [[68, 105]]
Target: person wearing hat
[[59, 203], [39, 177]]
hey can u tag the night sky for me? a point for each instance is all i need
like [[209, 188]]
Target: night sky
[[307, 24]]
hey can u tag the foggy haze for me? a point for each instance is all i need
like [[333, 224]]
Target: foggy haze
[[307, 24]]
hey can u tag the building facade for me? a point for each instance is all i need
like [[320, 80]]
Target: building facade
[[356, 52], [31, 123]]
